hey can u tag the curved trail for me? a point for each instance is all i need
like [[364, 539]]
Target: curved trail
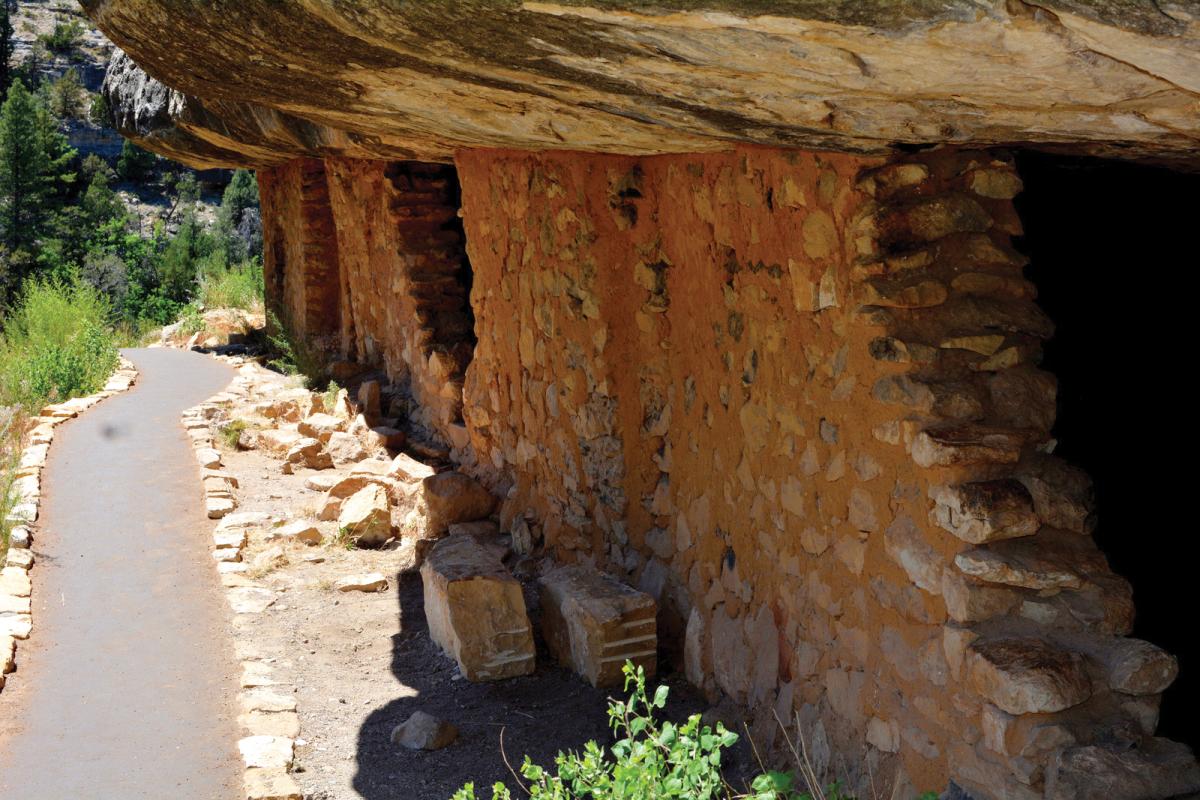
[[123, 692]]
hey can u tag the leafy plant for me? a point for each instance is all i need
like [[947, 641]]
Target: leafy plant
[[330, 396], [56, 344], [649, 759], [12, 422], [293, 355], [231, 433], [239, 286], [652, 760]]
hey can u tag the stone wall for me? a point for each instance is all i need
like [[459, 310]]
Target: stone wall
[[792, 395], [366, 259], [300, 262]]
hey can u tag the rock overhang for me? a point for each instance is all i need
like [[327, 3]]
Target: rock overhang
[[255, 83]]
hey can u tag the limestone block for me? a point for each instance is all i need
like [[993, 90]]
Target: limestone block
[[19, 558], [451, 497], [369, 397], [345, 448], [966, 444], [1027, 563], [296, 531], [370, 582], [985, 511], [594, 624], [408, 469], [476, 611], [270, 784], [19, 538], [208, 458], [365, 516], [12, 604], [16, 626], [1156, 768], [308, 452], [1027, 676], [320, 426], [331, 507], [1138, 667], [278, 442], [383, 437], [1062, 495], [15, 582], [8, 654], [267, 752]]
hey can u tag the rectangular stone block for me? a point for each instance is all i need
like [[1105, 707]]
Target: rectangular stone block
[[476, 611], [593, 623]]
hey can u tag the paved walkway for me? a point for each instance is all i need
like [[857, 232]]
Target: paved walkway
[[123, 692]]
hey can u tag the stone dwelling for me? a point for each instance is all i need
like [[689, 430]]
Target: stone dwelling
[[724, 299]]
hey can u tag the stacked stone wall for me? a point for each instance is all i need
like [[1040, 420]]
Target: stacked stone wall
[[795, 397], [301, 265]]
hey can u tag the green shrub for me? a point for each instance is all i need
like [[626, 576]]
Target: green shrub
[[648, 760], [56, 344], [652, 760], [64, 38], [12, 422], [294, 355], [238, 286]]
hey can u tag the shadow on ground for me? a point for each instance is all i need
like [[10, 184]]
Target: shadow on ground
[[539, 715]]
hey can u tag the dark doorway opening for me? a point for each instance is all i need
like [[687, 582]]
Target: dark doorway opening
[[1113, 249]]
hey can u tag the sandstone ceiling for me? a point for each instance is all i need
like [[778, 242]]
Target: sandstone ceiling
[[256, 82]]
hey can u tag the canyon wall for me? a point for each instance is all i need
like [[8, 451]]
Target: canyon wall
[[793, 396]]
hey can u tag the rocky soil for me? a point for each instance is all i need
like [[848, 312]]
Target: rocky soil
[[359, 663]]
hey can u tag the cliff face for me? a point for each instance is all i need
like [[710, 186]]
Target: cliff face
[[259, 82]]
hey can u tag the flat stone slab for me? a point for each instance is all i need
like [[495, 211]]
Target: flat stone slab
[[370, 582], [593, 623], [476, 611], [250, 600], [16, 626], [15, 581], [267, 752], [270, 784]]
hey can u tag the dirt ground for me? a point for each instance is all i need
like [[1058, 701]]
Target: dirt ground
[[362, 663]]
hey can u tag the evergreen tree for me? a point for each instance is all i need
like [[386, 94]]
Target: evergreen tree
[[7, 9], [34, 162], [236, 220]]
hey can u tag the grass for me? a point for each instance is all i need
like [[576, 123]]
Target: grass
[[294, 355], [239, 286], [232, 433], [56, 344], [12, 423]]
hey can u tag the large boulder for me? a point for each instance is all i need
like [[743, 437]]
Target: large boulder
[[476, 611], [450, 497]]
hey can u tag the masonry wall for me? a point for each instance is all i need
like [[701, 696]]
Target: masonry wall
[[301, 265], [794, 396], [404, 305]]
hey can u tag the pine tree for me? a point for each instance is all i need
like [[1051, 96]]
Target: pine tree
[[34, 161], [7, 9], [233, 222]]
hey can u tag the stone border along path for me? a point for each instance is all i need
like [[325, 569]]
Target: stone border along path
[[16, 587], [267, 707]]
